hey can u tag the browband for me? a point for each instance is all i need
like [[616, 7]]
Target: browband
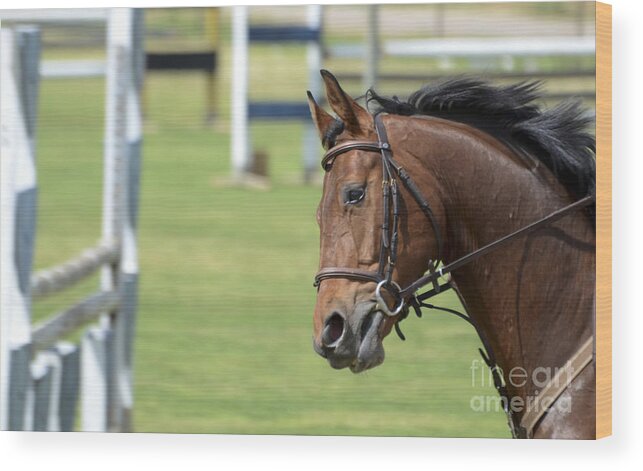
[[329, 157]]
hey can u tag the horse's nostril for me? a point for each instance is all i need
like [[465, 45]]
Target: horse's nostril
[[333, 329]]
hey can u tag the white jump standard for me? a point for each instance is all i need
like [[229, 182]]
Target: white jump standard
[[46, 381]]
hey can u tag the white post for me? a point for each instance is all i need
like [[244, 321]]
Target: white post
[[240, 135], [128, 283], [115, 142], [94, 386], [372, 48], [114, 201], [69, 384], [19, 57], [43, 372], [314, 62], [55, 361], [123, 133]]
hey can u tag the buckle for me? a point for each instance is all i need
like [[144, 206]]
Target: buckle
[[381, 304]]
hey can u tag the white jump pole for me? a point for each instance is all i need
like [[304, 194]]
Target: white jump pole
[[95, 388], [128, 278], [120, 204], [372, 48], [97, 380], [240, 138], [40, 376], [314, 61], [19, 57]]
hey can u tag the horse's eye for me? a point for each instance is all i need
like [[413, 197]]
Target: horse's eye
[[354, 195]]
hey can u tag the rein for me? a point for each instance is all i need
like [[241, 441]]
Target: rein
[[408, 297]]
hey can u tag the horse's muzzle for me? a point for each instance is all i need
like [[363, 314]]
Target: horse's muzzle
[[353, 341]]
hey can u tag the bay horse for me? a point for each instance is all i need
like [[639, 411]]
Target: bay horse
[[477, 185]]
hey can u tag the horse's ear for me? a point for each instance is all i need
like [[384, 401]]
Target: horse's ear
[[356, 119], [321, 119]]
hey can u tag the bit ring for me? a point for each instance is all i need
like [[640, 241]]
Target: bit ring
[[381, 304]]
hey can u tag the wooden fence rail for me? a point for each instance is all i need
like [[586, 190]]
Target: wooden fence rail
[[68, 321], [58, 278]]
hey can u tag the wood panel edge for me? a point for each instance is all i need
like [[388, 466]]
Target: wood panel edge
[[603, 220]]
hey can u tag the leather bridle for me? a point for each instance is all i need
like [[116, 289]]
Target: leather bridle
[[408, 296], [383, 277]]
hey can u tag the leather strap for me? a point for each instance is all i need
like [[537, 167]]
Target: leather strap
[[561, 381], [556, 215], [387, 154], [329, 157], [352, 273]]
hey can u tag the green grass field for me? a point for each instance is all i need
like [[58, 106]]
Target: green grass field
[[224, 328], [223, 341]]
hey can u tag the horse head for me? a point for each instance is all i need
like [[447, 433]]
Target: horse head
[[353, 314]]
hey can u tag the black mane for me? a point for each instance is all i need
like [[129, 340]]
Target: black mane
[[557, 137]]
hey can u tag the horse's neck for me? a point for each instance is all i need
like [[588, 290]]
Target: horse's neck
[[533, 298], [532, 302]]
